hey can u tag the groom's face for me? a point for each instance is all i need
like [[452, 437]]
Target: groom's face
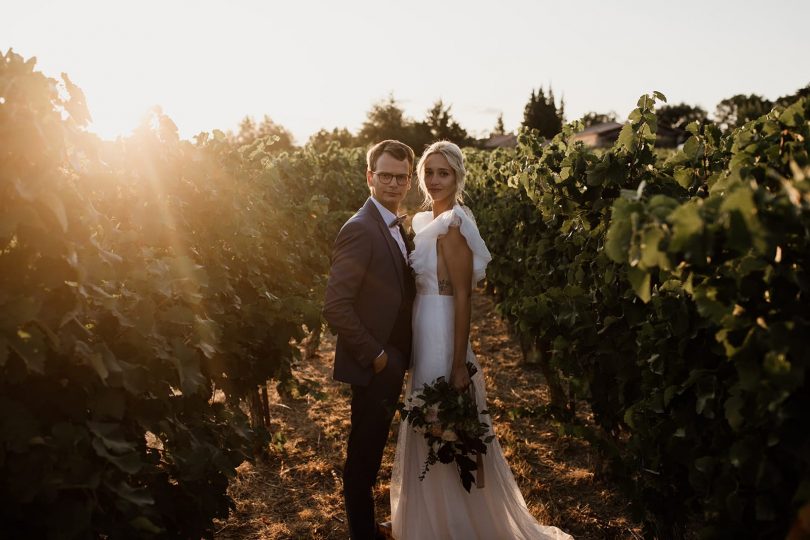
[[390, 195]]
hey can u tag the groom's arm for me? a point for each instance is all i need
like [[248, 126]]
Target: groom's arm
[[350, 261]]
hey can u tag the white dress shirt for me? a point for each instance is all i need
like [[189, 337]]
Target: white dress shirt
[[388, 217]]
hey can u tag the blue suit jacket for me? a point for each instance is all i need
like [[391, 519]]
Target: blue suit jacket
[[370, 290]]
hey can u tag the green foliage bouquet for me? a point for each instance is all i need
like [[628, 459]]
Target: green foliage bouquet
[[450, 421]]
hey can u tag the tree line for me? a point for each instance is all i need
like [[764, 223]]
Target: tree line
[[386, 119]]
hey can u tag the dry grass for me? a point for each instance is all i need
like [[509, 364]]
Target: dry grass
[[296, 492]]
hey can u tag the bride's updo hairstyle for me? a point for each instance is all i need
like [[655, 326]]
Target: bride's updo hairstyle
[[456, 160]]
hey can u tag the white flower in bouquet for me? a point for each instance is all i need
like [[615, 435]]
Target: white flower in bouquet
[[449, 435], [432, 414]]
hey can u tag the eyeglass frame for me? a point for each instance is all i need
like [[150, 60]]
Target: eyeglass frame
[[405, 178]]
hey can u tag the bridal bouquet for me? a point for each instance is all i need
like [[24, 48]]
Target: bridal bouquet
[[449, 420]]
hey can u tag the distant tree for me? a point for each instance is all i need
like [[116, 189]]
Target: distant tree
[[784, 101], [442, 126], [542, 114], [321, 139], [737, 110], [419, 136], [593, 118], [385, 120], [680, 115], [499, 129], [249, 131]]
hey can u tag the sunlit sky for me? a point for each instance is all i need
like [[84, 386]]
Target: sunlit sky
[[310, 64]]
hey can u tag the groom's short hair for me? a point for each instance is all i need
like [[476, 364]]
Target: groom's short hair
[[395, 149]]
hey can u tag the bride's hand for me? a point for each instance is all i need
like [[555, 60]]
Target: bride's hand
[[460, 378]]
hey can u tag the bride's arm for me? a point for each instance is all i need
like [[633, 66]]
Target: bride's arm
[[458, 259]]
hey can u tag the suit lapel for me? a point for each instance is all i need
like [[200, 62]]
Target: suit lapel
[[393, 248]]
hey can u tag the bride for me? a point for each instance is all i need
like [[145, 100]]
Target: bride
[[449, 257]]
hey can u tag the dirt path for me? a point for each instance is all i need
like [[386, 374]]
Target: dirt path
[[295, 494]]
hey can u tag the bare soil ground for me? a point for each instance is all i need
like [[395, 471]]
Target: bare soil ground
[[296, 492]]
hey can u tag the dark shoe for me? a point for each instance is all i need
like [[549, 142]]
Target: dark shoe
[[384, 531]]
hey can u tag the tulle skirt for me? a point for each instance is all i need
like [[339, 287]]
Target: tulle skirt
[[438, 507]]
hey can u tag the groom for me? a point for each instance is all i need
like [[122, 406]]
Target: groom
[[368, 304]]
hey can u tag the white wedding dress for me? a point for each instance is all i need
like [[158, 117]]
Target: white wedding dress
[[438, 507]]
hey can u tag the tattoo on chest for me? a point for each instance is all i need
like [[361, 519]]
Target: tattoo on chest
[[445, 287]]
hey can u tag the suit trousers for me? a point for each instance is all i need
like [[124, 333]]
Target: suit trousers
[[373, 409]]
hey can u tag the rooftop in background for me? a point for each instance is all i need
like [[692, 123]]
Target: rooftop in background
[[507, 140], [600, 128], [605, 135]]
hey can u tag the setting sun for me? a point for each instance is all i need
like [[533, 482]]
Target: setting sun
[[316, 64]]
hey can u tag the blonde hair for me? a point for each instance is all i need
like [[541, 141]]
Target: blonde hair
[[454, 157]]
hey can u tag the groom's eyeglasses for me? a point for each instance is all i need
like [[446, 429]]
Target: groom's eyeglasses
[[386, 178]]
